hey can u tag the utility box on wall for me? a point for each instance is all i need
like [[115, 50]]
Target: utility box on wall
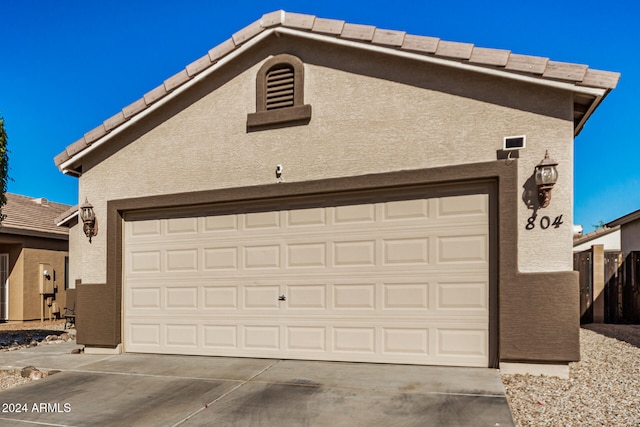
[[46, 279]]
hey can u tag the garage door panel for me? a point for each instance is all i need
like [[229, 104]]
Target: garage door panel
[[468, 205], [354, 253], [404, 210], [262, 257], [145, 298], [181, 297], [467, 296], [182, 225], [143, 335], [262, 220], [145, 262], [354, 214], [219, 337], [354, 339], [145, 228], [406, 296], [408, 250], [399, 340], [460, 342], [306, 297], [306, 338], [220, 297], [463, 249], [181, 335], [303, 255], [354, 296], [309, 218], [256, 337], [224, 258], [262, 297], [403, 281], [220, 224], [181, 260]]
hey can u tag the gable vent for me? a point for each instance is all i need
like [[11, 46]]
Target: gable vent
[[279, 87]]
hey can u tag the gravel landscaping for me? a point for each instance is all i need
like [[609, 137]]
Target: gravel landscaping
[[14, 336], [603, 389]]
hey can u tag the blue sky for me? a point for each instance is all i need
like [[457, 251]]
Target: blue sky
[[67, 65]]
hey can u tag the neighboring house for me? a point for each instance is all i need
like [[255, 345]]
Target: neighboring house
[[629, 226], [314, 189], [609, 237], [33, 259], [607, 260]]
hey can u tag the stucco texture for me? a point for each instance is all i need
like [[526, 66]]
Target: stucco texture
[[371, 114]]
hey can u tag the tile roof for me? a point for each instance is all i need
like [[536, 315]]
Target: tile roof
[[32, 215], [533, 66], [578, 240]]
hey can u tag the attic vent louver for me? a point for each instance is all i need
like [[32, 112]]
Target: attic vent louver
[[280, 84]]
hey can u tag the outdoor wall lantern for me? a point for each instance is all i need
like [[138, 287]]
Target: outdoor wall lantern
[[546, 176], [89, 221]]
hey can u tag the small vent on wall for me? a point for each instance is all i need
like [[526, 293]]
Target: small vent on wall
[[280, 87]]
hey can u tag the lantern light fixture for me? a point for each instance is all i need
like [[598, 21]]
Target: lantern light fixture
[[89, 221], [546, 175]]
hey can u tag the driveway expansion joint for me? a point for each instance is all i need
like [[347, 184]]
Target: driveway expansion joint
[[222, 396]]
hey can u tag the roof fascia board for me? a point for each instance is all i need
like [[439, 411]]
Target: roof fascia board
[[67, 166], [625, 219], [67, 219], [589, 112]]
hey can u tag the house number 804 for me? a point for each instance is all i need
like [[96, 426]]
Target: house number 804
[[545, 222]]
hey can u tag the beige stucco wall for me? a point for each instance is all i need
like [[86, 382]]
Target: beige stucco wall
[[362, 122], [630, 237], [31, 280]]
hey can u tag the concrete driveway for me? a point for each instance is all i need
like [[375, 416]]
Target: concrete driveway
[[161, 390]]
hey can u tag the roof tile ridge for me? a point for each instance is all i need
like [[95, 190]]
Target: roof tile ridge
[[458, 51]]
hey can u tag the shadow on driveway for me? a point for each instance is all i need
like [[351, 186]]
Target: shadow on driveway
[[164, 390]]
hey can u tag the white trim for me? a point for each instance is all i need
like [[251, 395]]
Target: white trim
[[504, 142], [65, 166], [101, 350], [67, 219]]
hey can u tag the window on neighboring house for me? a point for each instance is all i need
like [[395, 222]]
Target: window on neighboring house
[[280, 94]]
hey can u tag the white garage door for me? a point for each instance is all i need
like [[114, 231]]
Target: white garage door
[[395, 282]]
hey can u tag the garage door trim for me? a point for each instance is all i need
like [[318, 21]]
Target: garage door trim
[[105, 330]]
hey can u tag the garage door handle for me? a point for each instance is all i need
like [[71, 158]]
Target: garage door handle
[[282, 298]]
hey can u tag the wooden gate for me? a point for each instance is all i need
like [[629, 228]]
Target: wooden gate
[[582, 263], [619, 277]]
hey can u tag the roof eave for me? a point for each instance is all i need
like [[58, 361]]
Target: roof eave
[[66, 217], [34, 233], [625, 219], [70, 162]]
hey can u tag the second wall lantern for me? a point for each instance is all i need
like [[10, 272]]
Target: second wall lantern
[[546, 175], [89, 221]]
